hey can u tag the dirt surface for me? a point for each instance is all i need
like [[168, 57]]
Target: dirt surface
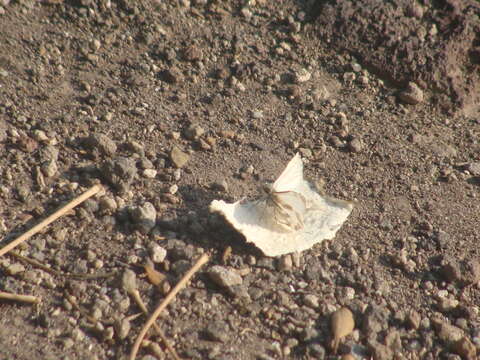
[[436, 43], [173, 104]]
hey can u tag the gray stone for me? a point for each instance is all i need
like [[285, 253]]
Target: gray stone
[[149, 173], [15, 269], [122, 328], [284, 263], [446, 304], [380, 351], [193, 132], [157, 253], [48, 153], [144, 217], [107, 204], [474, 168], [447, 332], [145, 163], [266, 262], [178, 157], [224, 277], [129, 280], [3, 130], [220, 186], [317, 350], [375, 320], [413, 319], [309, 334], [217, 331], [355, 146], [411, 95], [49, 168], [119, 172], [40, 135], [135, 147], [100, 144], [171, 76], [465, 272], [311, 301], [302, 76]]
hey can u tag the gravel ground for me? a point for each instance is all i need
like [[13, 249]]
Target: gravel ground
[[171, 104]]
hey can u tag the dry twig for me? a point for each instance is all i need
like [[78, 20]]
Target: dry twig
[[203, 259], [130, 286], [45, 268], [16, 297], [63, 210]]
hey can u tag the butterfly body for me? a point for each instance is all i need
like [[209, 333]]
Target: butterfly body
[[283, 209]]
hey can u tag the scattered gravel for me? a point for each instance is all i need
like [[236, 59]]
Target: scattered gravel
[[169, 120]]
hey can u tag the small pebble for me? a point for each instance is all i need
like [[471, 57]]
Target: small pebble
[[411, 95], [150, 173], [413, 319], [284, 263], [157, 253], [355, 145], [15, 269], [49, 168], [107, 204], [122, 328], [465, 348], [302, 76], [220, 186], [311, 301], [224, 277], [100, 143], [193, 132], [178, 157], [144, 217], [40, 135], [342, 324]]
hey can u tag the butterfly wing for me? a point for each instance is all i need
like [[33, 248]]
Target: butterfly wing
[[288, 209], [291, 177]]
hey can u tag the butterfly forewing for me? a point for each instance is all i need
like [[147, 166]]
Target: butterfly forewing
[[291, 176]]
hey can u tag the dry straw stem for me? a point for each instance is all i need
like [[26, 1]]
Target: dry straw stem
[[16, 297], [60, 273], [136, 296], [63, 210], [203, 259], [129, 284]]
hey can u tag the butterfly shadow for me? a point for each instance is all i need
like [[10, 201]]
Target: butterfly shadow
[[195, 223]]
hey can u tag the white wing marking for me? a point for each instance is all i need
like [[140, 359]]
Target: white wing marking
[[291, 177]]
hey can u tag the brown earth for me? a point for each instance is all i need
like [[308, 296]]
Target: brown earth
[[100, 91], [435, 43]]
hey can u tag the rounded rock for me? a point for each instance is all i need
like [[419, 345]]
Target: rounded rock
[[224, 277], [412, 94]]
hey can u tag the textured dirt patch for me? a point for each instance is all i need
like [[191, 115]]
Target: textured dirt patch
[[434, 43], [172, 104]]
